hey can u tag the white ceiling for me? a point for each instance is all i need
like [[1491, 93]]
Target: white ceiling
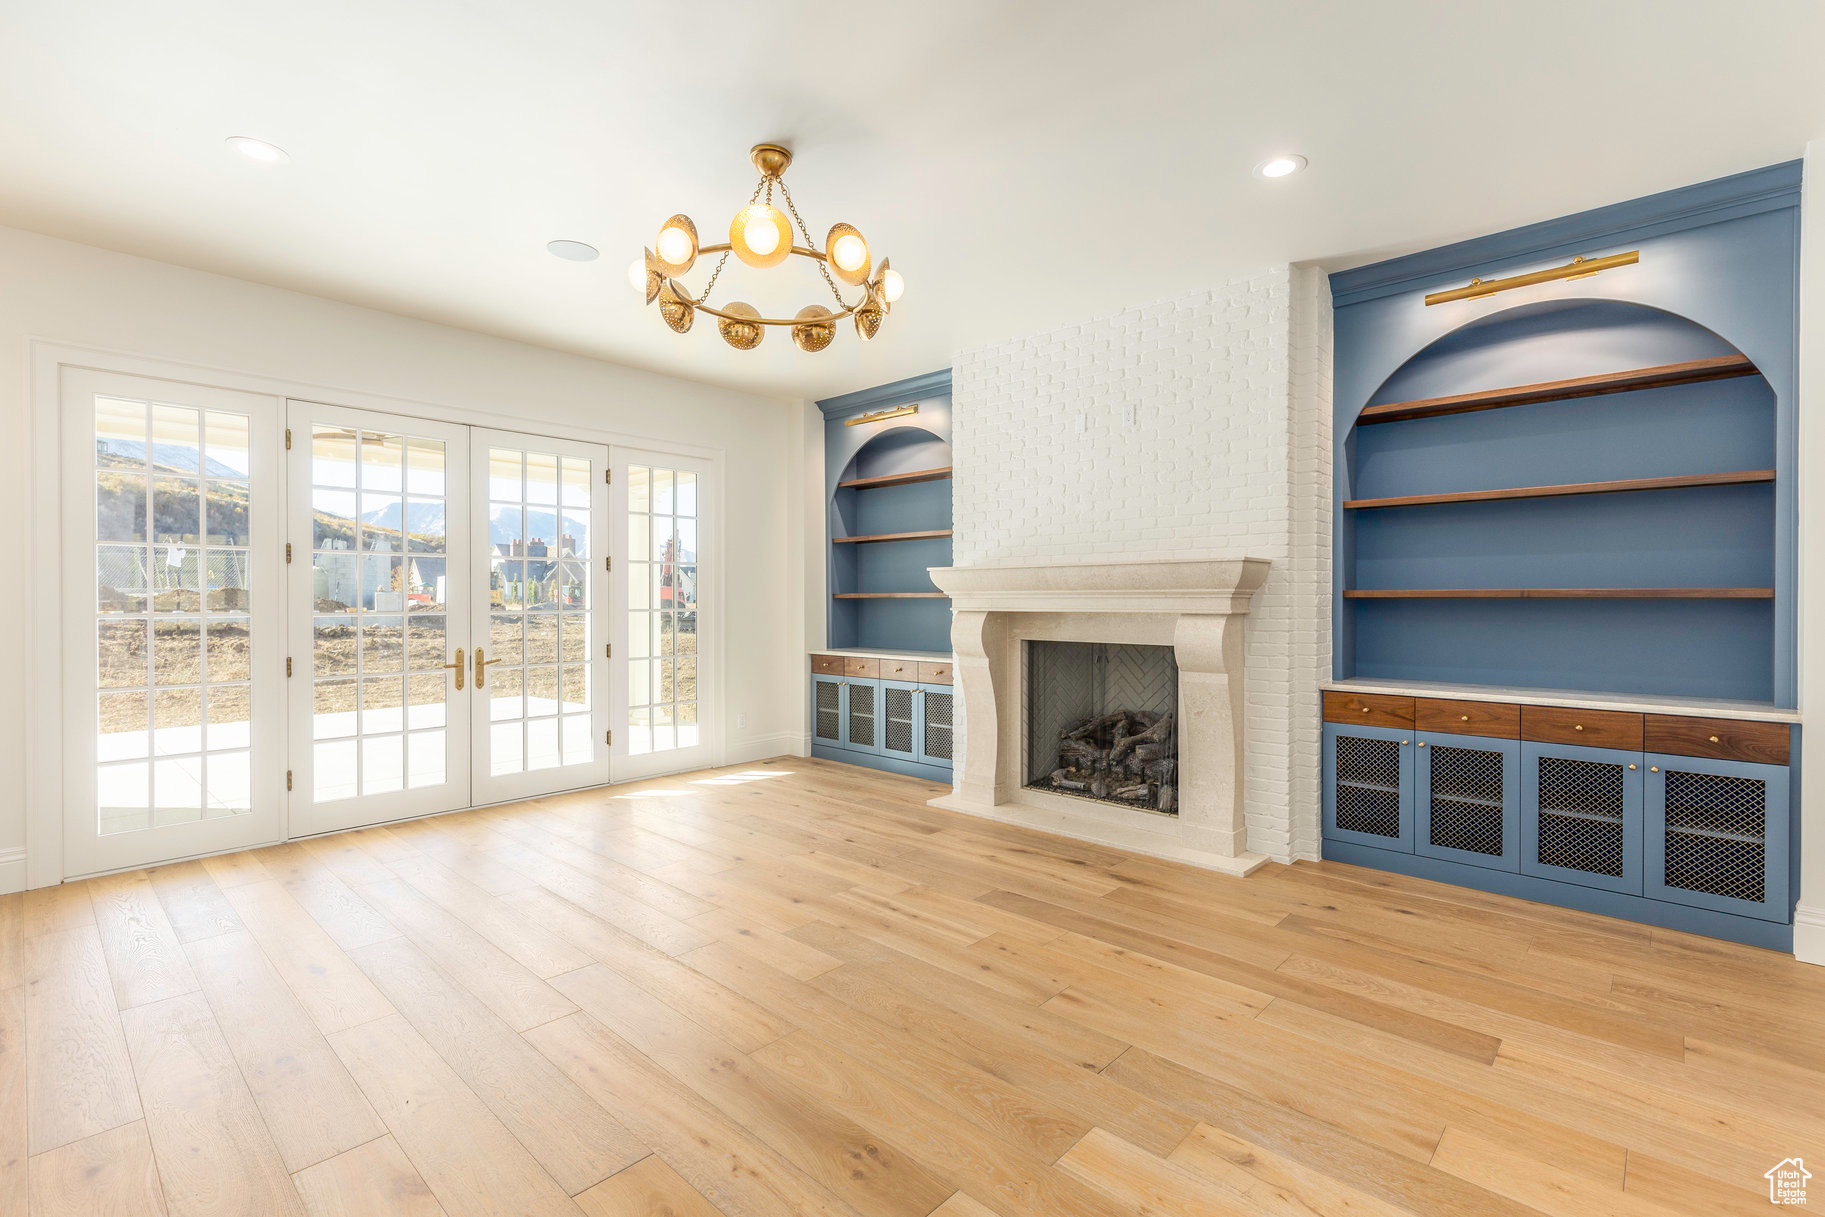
[[1024, 165]]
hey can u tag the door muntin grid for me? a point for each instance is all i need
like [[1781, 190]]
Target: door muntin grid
[[663, 510], [379, 627], [897, 718], [1716, 835], [939, 736], [1581, 806], [1367, 786], [173, 553], [538, 678], [1466, 799]]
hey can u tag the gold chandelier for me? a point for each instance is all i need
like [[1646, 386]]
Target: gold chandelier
[[761, 236]]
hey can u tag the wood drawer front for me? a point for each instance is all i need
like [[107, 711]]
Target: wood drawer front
[[855, 665], [827, 665], [899, 669], [934, 674], [1591, 728], [1496, 719], [1721, 739], [1367, 709]]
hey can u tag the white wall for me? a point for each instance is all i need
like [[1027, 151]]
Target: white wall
[[76, 294], [1228, 455]]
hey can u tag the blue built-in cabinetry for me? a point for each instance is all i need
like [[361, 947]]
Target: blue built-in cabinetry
[[887, 490], [1583, 486]]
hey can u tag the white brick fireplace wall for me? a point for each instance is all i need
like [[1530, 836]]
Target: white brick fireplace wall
[[1228, 452]]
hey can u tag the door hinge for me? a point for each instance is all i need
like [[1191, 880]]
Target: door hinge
[[608, 650], [608, 477], [288, 439], [608, 564], [608, 737], [288, 665], [288, 779], [288, 553]]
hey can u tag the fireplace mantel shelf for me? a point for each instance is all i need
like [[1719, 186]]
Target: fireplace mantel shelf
[[1146, 586]]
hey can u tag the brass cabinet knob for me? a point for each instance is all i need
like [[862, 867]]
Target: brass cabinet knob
[[1365, 709], [1577, 726], [1631, 765], [1404, 743], [1653, 768], [1714, 739], [1463, 718]]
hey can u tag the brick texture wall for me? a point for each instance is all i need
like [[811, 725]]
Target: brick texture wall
[[1187, 428]]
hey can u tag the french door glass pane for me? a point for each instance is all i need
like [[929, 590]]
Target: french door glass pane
[[661, 609], [173, 625], [379, 573], [538, 671]]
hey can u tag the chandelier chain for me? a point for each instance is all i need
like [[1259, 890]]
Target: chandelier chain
[[724, 260], [822, 269]]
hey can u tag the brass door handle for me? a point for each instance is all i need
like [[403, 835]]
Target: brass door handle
[[481, 669], [458, 665]]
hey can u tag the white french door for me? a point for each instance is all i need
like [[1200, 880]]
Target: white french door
[[380, 725], [173, 665], [659, 609], [541, 669]]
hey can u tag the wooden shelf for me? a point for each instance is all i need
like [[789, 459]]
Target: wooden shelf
[[1739, 478], [1690, 371], [888, 596], [897, 479], [1560, 593], [891, 536]]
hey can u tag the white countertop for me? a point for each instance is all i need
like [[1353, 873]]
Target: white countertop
[[1756, 711], [870, 653]]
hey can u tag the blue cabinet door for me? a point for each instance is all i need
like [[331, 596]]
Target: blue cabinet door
[[1716, 835], [827, 710], [1581, 815], [1368, 786], [899, 714], [1467, 799], [936, 735], [862, 715]]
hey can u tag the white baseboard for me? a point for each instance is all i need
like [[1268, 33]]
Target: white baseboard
[[12, 870], [760, 747], [1809, 934]]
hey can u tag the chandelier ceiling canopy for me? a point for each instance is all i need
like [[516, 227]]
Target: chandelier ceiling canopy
[[761, 236]]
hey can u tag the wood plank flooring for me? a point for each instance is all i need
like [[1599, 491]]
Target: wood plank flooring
[[792, 987]]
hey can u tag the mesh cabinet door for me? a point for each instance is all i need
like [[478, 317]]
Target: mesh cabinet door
[[827, 710], [862, 715], [935, 726], [1368, 786], [1717, 835], [1467, 800], [899, 719], [1581, 815]]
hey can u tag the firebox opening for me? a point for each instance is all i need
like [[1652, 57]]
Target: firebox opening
[[1101, 722]]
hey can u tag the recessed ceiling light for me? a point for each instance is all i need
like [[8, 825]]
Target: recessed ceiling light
[[1279, 166], [571, 251], [257, 150]]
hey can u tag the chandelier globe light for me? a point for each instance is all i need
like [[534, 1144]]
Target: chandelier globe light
[[761, 236]]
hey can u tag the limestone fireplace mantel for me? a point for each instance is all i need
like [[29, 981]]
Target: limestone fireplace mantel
[[1196, 607]]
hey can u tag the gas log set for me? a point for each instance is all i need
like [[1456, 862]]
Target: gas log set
[[1126, 757]]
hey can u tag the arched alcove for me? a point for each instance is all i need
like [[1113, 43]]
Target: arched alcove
[[890, 520], [1645, 515]]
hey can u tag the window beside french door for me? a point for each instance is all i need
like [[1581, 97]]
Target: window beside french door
[[170, 659], [661, 610]]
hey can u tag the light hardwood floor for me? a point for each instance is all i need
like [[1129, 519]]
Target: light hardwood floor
[[791, 987]]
